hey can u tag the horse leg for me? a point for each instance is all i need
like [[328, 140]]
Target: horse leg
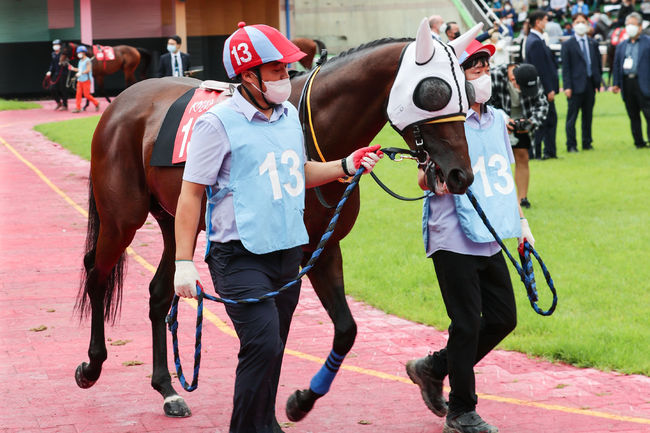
[[327, 279], [103, 266], [161, 291]]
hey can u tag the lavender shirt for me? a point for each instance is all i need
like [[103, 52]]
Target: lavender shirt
[[208, 161], [445, 232]]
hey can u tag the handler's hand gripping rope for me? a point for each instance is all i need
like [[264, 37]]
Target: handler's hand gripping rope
[[525, 270], [172, 321]]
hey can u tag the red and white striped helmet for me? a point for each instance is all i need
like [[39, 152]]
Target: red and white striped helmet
[[255, 45]]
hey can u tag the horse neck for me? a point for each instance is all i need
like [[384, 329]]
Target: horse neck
[[348, 101]]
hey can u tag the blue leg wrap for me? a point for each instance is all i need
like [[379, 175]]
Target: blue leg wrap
[[322, 381]]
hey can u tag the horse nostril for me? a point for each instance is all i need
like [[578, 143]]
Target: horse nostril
[[458, 180]]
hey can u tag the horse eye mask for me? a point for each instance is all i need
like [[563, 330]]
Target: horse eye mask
[[432, 94]]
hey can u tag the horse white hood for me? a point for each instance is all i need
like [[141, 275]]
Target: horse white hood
[[430, 83]]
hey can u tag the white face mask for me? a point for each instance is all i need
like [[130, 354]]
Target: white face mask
[[482, 88], [631, 30], [56, 47], [80, 55], [171, 48], [580, 29], [277, 91]]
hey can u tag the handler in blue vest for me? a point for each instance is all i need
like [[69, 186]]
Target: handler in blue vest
[[247, 155], [470, 267]]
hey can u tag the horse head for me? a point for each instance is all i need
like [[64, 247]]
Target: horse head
[[428, 103]]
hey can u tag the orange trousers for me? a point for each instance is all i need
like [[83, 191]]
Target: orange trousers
[[83, 88]]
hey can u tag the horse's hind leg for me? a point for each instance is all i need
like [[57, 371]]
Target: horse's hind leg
[[161, 291], [327, 279], [103, 266]]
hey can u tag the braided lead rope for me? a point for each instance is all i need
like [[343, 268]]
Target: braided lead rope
[[172, 318], [525, 270]]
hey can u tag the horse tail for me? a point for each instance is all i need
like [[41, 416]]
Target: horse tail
[[145, 61], [114, 280]]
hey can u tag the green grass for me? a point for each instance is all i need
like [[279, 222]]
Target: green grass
[[75, 134], [10, 104], [590, 221]]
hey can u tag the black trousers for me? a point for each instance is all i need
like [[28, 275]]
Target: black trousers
[[546, 133], [635, 104], [262, 327], [580, 102], [59, 91], [478, 295]]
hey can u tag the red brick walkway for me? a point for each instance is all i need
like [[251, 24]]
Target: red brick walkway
[[43, 193]]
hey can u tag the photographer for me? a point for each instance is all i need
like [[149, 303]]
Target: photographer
[[516, 89]]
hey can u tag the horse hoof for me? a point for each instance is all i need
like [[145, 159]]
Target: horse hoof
[[81, 379], [175, 407], [299, 404]]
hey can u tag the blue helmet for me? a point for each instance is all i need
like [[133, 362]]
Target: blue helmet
[[82, 49]]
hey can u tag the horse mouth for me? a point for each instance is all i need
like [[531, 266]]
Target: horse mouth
[[438, 180]]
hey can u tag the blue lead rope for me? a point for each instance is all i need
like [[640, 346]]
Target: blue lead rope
[[172, 318], [525, 270]]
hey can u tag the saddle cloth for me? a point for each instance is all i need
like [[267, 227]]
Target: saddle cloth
[[103, 52], [170, 148]]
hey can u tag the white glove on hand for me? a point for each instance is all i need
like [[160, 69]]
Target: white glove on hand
[[185, 279], [48, 73], [78, 74], [526, 233], [366, 156]]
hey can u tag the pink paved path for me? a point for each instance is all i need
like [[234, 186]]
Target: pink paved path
[[42, 234]]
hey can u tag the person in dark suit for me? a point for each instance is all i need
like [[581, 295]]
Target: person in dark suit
[[632, 76], [582, 76], [56, 76], [174, 63], [539, 55]]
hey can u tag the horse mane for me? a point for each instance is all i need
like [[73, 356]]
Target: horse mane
[[365, 46], [346, 54]]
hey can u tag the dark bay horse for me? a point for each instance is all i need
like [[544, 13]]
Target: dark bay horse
[[348, 97]]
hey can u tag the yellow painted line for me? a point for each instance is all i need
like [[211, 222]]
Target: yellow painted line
[[223, 327]]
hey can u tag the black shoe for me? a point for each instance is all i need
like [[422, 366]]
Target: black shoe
[[590, 147], [525, 203], [421, 373], [572, 150], [641, 146], [468, 422], [550, 156]]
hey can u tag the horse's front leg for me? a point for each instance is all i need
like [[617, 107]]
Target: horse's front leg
[[161, 291], [327, 279]]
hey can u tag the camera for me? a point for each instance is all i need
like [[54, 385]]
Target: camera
[[521, 125]]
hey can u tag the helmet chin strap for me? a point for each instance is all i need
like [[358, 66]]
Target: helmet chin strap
[[258, 74]]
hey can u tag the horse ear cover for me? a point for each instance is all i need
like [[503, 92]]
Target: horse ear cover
[[424, 49]]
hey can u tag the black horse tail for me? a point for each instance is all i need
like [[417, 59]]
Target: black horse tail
[[114, 280], [145, 61]]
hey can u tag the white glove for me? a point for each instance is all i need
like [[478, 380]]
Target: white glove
[[78, 74], [48, 74], [526, 233], [185, 279]]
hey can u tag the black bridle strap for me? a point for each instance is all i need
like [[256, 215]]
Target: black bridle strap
[[392, 193]]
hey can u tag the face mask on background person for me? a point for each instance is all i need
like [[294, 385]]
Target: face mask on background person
[[631, 30], [277, 91], [171, 48], [56, 47], [482, 88], [580, 28], [80, 55]]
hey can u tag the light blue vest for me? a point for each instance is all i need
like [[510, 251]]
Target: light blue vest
[[83, 64], [267, 181], [493, 185]]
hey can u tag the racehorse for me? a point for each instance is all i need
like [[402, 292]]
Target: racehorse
[[349, 98], [310, 47], [127, 59]]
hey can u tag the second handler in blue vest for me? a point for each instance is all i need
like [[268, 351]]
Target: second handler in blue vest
[[247, 155]]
